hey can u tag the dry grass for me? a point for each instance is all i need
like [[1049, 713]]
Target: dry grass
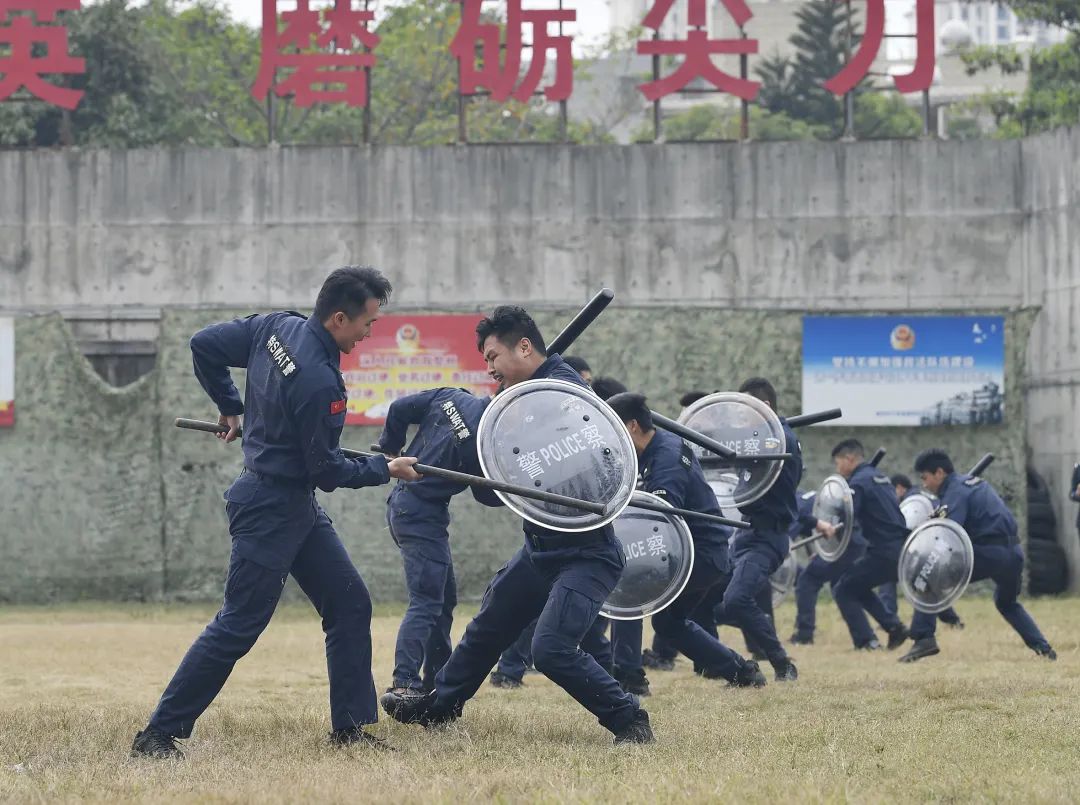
[[984, 721]]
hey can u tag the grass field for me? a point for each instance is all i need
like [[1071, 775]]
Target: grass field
[[985, 721]]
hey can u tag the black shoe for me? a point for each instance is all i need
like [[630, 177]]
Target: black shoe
[[637, 731], [633, 681], [404, 691], [357, 736], [785, 671], [156, 744], [953, 622], [500, 680], [897, 637], [800, 639], [923, 647], [650, 659], [749, 676], [1045, 651], [417, 709], [873, 645]]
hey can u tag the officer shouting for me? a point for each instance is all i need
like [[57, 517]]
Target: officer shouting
[[561, 579], [294, 406]]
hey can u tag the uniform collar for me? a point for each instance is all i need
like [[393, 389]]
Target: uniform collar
[[333, 352], [544, 369], [945, 484], [651, 447]]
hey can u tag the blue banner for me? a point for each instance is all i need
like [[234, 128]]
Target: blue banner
[[905, 370]]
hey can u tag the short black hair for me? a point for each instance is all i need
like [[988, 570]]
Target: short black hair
[[630, 405], [692, 397], [901, 480], [509, 324], [607, 387], [348, 290], [849, 447], [933, 460], [761, 388], [579, 365]]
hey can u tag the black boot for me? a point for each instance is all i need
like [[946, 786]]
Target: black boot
[[156, 744], [923, 647], [897, 637], [501, 680], [749, 676], [1045, 651], [650, 659], [632, 680], [357, 736], [800, 639], [420, 710], [637, 731], [785, 670]]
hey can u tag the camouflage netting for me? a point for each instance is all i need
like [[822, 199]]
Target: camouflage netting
[[105, 499]]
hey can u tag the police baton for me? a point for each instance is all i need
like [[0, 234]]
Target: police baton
[[601, 509], [982, 464], [577, 325]]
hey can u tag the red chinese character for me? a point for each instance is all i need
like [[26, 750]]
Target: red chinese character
[[500, 76], [697, 50], [922, 73], [338, 28], [21, 68]]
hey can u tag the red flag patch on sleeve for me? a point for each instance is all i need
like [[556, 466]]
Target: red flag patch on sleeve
[[338, 406]]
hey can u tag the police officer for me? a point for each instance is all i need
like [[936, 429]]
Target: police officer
[[561, 579], [878, 516], [669, 469], [761, 549], [973, 503], [818, 572], [905, 489], [418, 513], [1074, 493], [295, 408]]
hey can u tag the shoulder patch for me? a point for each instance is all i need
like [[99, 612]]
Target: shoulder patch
[[339, 406], [881, 479], [973, 481], [280, 356], [456, 420], [686, 457]]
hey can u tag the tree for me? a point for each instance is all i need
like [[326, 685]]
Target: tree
[[793, 85], [1052, 96]]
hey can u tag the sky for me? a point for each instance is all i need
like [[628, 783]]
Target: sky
[[592, 15]]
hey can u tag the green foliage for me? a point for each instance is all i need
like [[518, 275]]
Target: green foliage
[[171, 74], [711, 122], [881, 116]]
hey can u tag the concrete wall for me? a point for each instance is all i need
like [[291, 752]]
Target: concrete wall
[[714, 251]]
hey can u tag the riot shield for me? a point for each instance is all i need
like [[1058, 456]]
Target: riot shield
[[917, 509], [834, 504], [935, 565], [659, 554], [558, 437], [750, 428]]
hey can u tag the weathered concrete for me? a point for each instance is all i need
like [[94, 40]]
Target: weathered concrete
[[704, 244]]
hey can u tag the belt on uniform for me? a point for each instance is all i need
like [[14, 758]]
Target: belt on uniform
[[300, 484], [547, 542]]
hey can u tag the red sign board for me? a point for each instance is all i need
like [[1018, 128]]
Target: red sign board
[[407, 354]]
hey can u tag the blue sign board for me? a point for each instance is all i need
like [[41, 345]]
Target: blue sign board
[[905, 370]]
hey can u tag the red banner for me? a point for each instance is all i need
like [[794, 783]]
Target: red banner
[[407, 354]]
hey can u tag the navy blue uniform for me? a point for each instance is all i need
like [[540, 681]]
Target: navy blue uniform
[[670, 470], [760, 550], [294, 409], [878, 515], [418, 513], [818, 572], [561, 579], [1073, 496], [974, 504]]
